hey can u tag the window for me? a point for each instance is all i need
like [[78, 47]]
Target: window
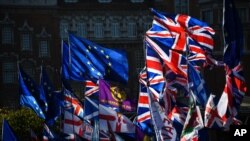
[[207, 16], [81, 29], [104, 1], [26, 42], [115, 32], [98, 31], [242, 14], [9, 72], [7, 34], [132, 29], [64, 27], [181, 6], [44, 49]]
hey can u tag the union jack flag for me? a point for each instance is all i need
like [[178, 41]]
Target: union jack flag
[[177, 32], [154, 72], [180, 27], [143, 111], [91, 88], [171, 59], [72, 103]]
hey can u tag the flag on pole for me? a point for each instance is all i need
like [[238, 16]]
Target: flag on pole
[[143, 119], [98, 61], [46, 87], [118, 122], [193, 123], [71, 103], [28, 90], [113, 96], [7, 132]]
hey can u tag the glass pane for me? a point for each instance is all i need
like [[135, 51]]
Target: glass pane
[[44, 52], [7, 34], [9, 72], [26, 41]]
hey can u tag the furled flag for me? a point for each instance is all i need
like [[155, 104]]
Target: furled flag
[[51, 98], [143, 112], [7, 132], [47, 134], [193, 122], [55, 102], [114, 97], [233, 35], [28, 89], [46, 87], [72, 104], [233, 46], [197, 85], [100, 62], [118, 122]]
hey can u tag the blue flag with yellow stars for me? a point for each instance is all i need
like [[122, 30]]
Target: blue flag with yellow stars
[[29, 93], [99, 62]]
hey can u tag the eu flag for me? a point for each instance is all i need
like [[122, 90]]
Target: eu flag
[[99, 61], [29, 93], [7, 133], [233, 35], [46, 87]]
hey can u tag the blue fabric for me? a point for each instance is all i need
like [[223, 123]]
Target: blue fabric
[[99, 62], [233, 35], [8, 134], [30, 94]]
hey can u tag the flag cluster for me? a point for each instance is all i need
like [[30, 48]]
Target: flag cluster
[[171, 85]]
